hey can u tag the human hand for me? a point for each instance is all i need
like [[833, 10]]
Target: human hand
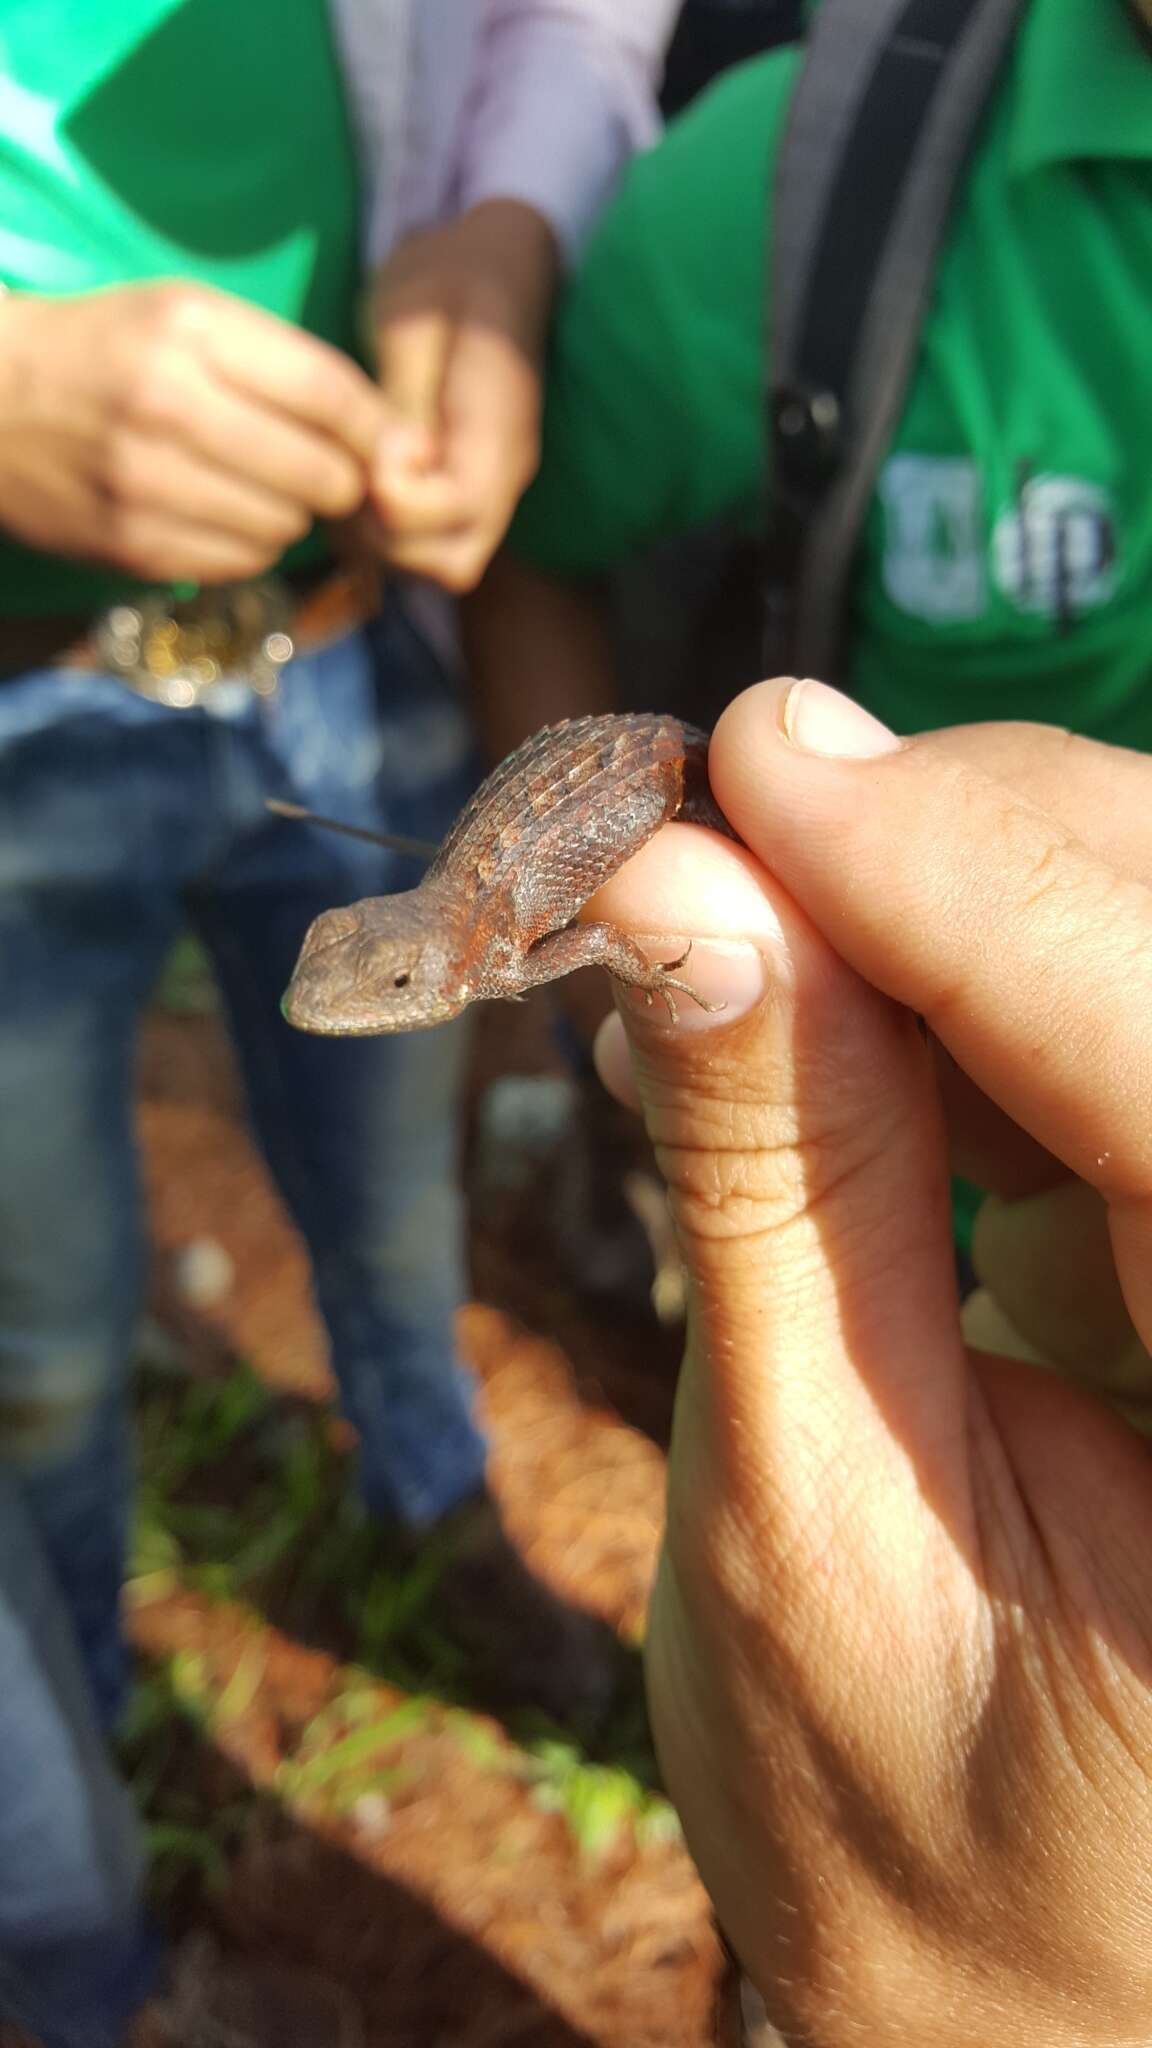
[[173, 431], [461, 316], [1041, 1250], [900, 1653]]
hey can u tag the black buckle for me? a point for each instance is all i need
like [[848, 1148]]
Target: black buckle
[[807, 432]]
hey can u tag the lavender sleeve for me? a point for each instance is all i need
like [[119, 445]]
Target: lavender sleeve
[[561, 94]]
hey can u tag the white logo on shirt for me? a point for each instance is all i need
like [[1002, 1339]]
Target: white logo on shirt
[[934, 547], [1054, 551]]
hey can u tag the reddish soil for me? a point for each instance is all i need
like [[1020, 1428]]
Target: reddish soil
[[456, 1911]]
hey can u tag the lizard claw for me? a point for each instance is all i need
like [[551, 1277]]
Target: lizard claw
[[668, 982], [686, 989]]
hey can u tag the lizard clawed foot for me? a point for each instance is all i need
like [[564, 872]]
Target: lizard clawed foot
[[666, 970]]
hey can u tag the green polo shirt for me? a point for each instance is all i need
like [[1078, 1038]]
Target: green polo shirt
[[1006, 565], [201, 139]]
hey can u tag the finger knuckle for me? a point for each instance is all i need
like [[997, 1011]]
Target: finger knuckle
[[1047, 876], [154, 374], [122, 476], [154, 397], [750, 1178], [1063, 892], [177, 310], [726, 1191]]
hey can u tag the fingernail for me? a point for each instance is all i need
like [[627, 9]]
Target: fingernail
[[731, 979], [818, 720]]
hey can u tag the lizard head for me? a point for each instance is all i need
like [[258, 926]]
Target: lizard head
[[386, 964]]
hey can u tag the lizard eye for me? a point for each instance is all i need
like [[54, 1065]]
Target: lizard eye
[[401, 980]]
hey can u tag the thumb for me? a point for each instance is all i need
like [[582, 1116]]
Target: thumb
[[1029, 957], [823, 1399]]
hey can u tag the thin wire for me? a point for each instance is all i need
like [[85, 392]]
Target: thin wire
[[422, 849]]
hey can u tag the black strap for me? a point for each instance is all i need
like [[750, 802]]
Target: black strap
[[712, 35], [881, 124]]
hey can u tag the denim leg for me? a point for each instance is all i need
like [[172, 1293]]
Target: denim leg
[[87, 828], [80, 940], [360, 1133], [77, 1956]]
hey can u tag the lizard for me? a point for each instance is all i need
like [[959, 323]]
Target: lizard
[[494, 915]]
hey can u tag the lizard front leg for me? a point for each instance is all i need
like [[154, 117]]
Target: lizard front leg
[[604, 945]]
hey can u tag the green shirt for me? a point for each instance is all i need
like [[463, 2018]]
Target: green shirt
[[1006, 565], [201, 139]]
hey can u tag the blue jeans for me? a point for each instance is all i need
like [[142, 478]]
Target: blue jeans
[[77, 1955], [120, 822]]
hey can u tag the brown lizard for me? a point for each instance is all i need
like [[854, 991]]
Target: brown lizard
[[494, 915]]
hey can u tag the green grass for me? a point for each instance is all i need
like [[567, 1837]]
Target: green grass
[[600, 1802], [244, 1499], [187, 984], [346, 1750]]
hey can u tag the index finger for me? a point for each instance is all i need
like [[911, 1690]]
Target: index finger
[[268, 359], [1030, 957], [1102, 793]]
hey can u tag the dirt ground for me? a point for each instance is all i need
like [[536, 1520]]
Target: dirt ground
[[321, 1803]]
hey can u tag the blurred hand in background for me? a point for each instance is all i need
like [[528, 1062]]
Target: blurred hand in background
[[175, 432], [460, 319]]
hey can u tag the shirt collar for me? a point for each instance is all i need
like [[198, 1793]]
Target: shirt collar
[[1083, 84]]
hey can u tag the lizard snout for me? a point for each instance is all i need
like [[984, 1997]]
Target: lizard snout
[[328, 930], [374, 966], [327, 973]]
